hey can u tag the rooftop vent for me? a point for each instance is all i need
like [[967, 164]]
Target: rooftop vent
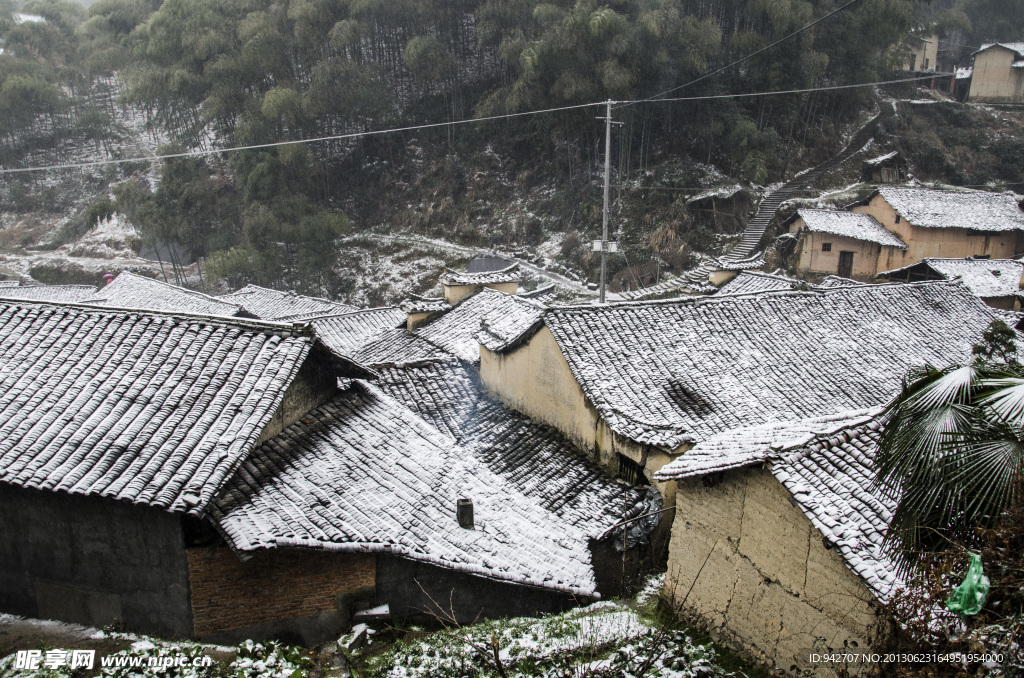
[[464, 513]]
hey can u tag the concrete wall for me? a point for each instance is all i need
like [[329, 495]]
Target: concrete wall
[[953, 242], [994, 77], [291, 594], [405, 584], [92, 561], [452, 293], [750, 567], [313, 385]]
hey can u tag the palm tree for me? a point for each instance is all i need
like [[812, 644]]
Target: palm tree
[[952, 448]]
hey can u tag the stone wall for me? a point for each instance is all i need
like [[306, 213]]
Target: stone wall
[[92, 561], [289, 594], [749, 566]]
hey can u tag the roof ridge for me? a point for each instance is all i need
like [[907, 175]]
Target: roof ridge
[[302, 329], [209, 297]]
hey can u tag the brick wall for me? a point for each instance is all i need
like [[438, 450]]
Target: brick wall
[[273, 585]]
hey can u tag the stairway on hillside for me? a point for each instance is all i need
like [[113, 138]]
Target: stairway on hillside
[[697, 279]]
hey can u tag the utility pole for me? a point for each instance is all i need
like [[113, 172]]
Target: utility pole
[[603, 244]]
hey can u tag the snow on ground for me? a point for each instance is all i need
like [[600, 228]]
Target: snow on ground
[[604, 639]]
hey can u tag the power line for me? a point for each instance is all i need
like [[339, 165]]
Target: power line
[[751, 55], [434, 125]]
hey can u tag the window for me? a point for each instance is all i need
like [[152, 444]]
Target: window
[[631, 471], [897, 217], [826, 247]]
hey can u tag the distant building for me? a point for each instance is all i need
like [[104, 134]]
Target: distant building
[[457, 285], [890, 168], [997, 282], [998, 74], [924, 52], [846, 244]]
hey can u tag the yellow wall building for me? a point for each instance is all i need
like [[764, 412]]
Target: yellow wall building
[[998, 74]]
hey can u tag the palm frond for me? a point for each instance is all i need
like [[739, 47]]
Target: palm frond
[[1005, 398]]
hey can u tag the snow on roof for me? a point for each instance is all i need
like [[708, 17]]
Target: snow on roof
[[748, 282], [826, 463], [129, 290], [22, 18], [751, 262], [533, 458], [367, 475], [416, 304], [10, 283], [496, 316], [984, 277], [544, 294], [140, 407], [749, 445], [882, 158], [1017, 47], [837, 281], [397, 346], [277, 305], [346, 333], [933, 208], [683, 370], [964, 73], [849, 225], [505, 275], [58, 293]]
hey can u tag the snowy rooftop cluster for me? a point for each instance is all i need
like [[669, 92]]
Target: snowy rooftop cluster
[[681, 371], [283, 306], [751, 282], [144, 408], [345, 333], [984, 277], [849, 225], [129, 290], [979, 210], [505, 275], [827, 464], [496, 315]]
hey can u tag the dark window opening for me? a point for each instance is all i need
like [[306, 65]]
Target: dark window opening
[[826, 247], [897, 218], [631, 471], [198, 532], [712, 479], [845, 265]]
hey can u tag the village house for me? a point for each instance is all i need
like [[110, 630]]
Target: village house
[[924, 52], [459, 284], [846, 244], [299, 465], [997, 282], [889, 168], [946, 223], [777, 544], [998, 73]]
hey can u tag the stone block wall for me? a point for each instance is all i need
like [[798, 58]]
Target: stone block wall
[[751, 567]]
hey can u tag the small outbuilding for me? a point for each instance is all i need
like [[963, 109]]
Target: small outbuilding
[[846, 244], [998, 73], [997, 282]]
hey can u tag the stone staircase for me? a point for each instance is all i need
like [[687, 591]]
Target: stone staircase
[[697, 279]]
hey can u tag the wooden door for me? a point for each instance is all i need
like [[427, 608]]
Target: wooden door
[[846, 264]]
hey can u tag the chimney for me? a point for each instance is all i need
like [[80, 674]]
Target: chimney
[[464, 513]]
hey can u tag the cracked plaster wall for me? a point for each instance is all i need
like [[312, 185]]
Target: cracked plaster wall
[[753, 569]]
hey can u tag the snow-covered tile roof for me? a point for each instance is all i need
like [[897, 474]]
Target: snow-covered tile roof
[[533, 458], [505, 275], [837, 281], [418, 304], [397, 346], [276, 305], [749, 282], [145, 408], [984, 277], [129, 290], [684, 370], [849, 225], [344, 334], [362, 473], [544, 294], [496, 316], [9, 283], [933, 208], [964, 73], [1017, 47], [749, 445], [826, 463], [750, 263], [882, 158], [58, 293]]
